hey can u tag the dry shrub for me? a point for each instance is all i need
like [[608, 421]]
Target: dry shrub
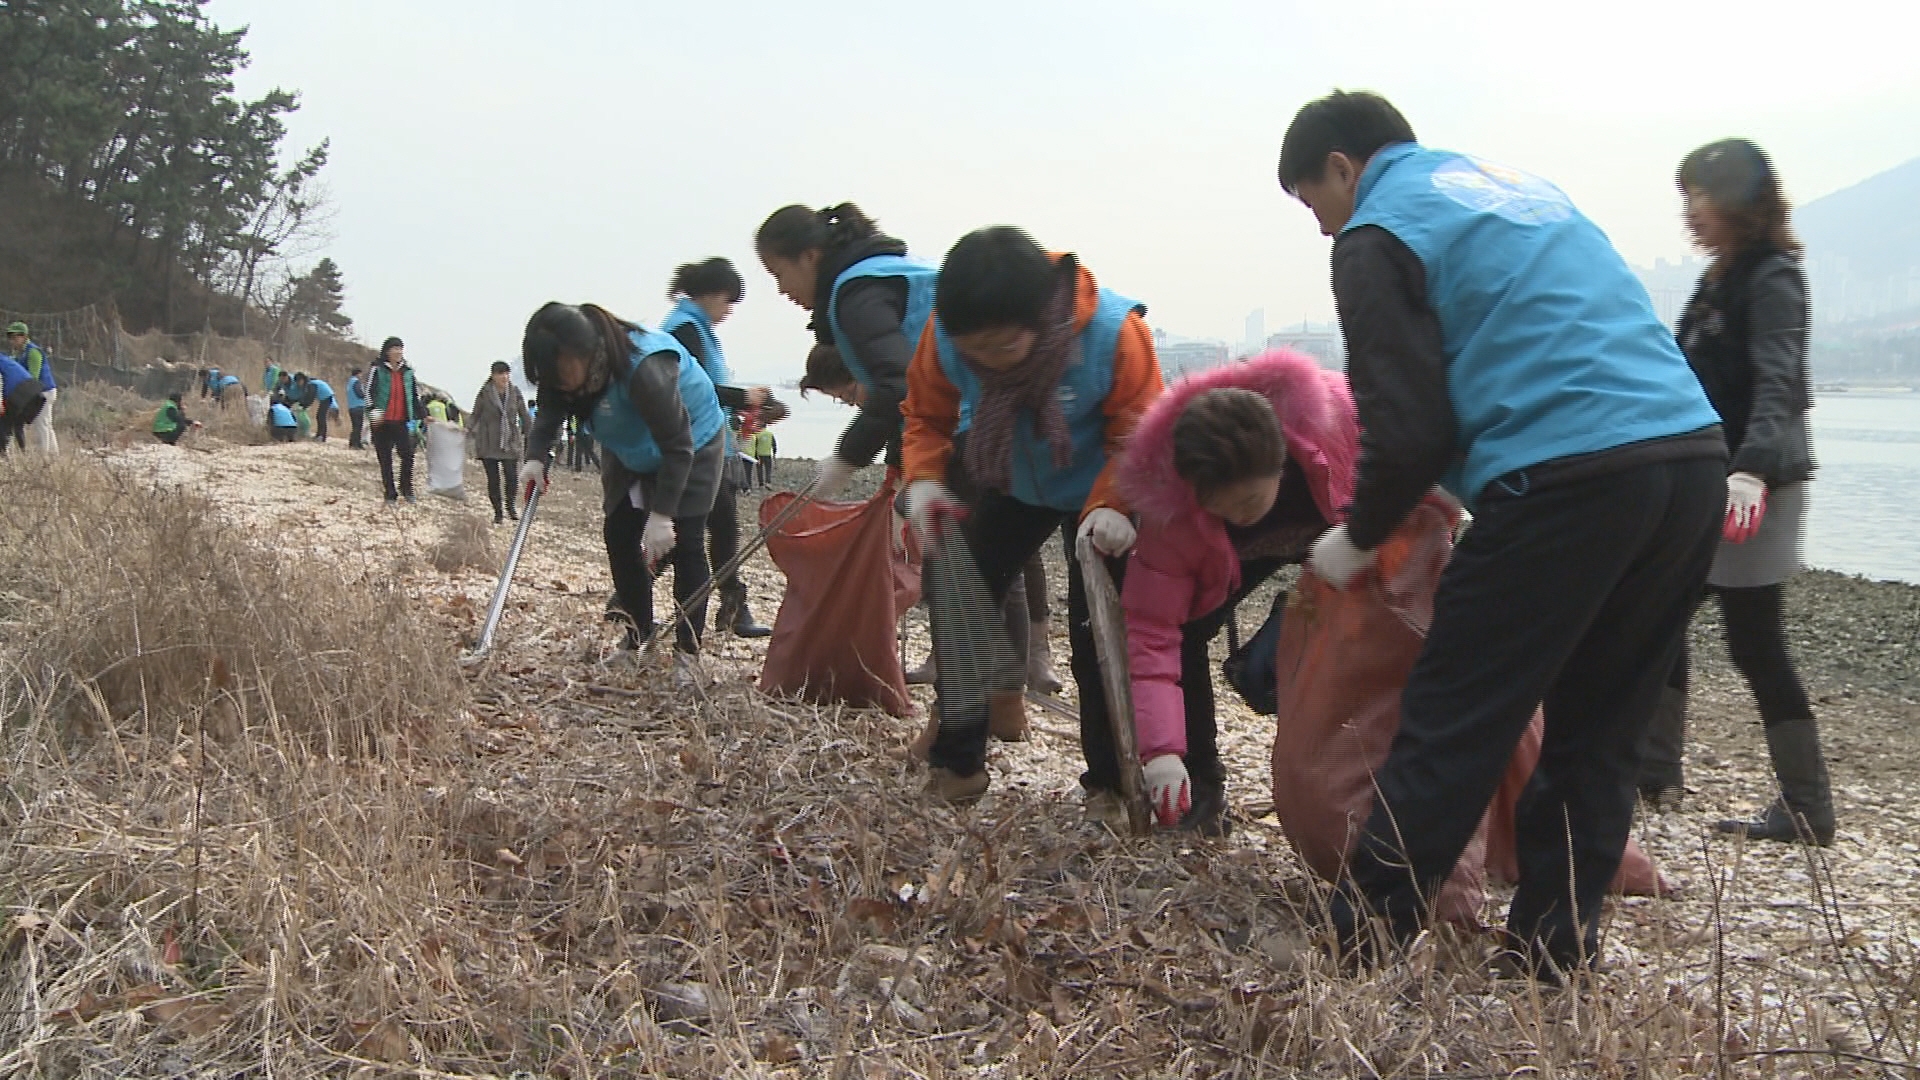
[[466, 543], [232, 424], [145, 605], [89, 414]]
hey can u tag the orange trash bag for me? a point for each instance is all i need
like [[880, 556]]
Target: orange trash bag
[[834, 640], [1637, 875], [1343, 659]]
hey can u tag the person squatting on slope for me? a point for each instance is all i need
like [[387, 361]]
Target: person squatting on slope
[[1234, 473], [1498, 344], [282, 425], [21, 399], [653, 409], [499, 426], [170, 421], [31, 356], [393, 401], [704, 295], [878, 300], [1745, 333], [1052, 372]]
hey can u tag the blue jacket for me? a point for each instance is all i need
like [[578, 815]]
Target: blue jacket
[[1083, 391], [617, 424], [280, 416], [919, 278], [322, 393], [356, 394], [687, 313], [1553, 344], [12, 374]]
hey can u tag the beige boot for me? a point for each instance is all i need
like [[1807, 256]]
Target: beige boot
[[1041, 678], [922, 743], [1007, 715], [949, 786]]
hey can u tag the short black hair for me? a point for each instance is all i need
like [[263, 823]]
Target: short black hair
[[826, 370], [1355, 123], [714, 276], [502, 367], [994, 277]]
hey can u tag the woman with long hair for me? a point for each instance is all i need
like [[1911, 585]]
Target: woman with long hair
[[653, 409], [1745, 334], [704, 295]]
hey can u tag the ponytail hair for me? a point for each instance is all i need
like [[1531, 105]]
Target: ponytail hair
[[792, 231], [714, 276]]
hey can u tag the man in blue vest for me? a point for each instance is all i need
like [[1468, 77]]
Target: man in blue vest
[[32, 357], [1499, 346]]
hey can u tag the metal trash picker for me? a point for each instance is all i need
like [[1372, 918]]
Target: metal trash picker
[[747, 550], [499, 605], [1110, 646]]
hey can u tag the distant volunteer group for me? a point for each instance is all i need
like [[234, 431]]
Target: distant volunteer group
[[1502, 357]]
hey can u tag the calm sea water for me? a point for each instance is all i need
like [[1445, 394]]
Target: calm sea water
[[1866, 497]]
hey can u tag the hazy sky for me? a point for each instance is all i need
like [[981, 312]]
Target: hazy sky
[[490, 156]]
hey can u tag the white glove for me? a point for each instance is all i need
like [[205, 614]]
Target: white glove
[[928, 501], [1111, 531], [1746, 506], [832, 478], [533, 474], [897, 534], [1168, 789], [657, 538], [1336, 559]]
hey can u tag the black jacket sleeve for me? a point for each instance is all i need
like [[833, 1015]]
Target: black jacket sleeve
[[654, 388], [1397, 363], [870, 311], [546, 428], [731, 397], [1777, 446]]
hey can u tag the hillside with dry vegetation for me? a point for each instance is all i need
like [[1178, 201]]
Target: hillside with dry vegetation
[[261, 820]]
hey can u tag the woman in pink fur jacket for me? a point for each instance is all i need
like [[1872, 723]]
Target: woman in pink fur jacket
[[1234, 472]]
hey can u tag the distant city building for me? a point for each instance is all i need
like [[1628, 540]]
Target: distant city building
[[1319, 340], [1183, 356], [1256, 329], [1670, 285]]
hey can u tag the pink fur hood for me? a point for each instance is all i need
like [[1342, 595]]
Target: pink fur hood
[[1316, 414]]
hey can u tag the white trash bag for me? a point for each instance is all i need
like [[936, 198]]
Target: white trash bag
[[257, 410], [446, 461]]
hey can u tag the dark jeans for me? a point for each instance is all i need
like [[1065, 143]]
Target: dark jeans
[[766, 471], [723, 539], [581, 452], [1575, 597], [633, 580], [171, 438], [1755, 623], [1196, 675], [389, 439], [1001, 534], [502, 475], [23, 407], [320, 412], [359, 419]]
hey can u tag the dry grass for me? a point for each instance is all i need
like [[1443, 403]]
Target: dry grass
[[564, 867], [465, 543]]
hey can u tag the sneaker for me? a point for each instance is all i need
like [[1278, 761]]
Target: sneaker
[[411, 500], [393, 500], [949, 786]]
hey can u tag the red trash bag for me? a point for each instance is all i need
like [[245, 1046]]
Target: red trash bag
[[1343, 660], [834, 640], [1637, 875]]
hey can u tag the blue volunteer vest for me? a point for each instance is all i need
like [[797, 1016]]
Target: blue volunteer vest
[[1083, 390], [919, 278], [685, 312], [280, 416], [1554, 346], [616, 423]]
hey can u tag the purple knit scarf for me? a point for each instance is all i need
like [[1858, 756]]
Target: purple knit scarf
[[1029, 386]]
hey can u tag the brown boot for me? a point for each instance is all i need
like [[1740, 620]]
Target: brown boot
[[922, 743], [949, 786], [1007, 715]]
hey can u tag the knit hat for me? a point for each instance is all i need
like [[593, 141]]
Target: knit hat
[[17, 328]]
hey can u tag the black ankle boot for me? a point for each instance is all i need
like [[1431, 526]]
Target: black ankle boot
[[1804, 811]]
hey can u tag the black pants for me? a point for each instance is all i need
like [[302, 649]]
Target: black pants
[[171, 438], [1575, 597], [359, 419], [320, 412], [1196, 675], [723, 541], [582, 452], [1000, 535], [389, 439], [23, 407], [766, 471], [633, 580], [287, 434], [1755, 623], [502, 475]]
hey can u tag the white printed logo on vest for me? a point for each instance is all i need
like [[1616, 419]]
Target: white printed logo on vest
[[1497, 189]]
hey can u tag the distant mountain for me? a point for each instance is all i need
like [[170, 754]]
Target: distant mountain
[[1863, 247]]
